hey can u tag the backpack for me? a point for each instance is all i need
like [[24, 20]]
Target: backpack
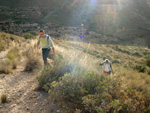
[[46, 37]]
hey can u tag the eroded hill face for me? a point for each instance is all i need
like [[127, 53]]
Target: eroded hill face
[[127, 21]]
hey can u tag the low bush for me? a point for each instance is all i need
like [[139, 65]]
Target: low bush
[[148, 62], [14, 56], [3, 98], [140, 68], [27, 35], [93, 93], [53, 73], [2, 45]]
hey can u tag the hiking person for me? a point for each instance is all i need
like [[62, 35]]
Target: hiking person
[[46, 43], [107, 67]]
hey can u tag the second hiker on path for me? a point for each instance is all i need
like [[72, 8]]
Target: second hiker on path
[[107, 67], [46, 42]]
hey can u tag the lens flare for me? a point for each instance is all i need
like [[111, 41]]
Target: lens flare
[[73, 2], [148, 3], [93, 2]]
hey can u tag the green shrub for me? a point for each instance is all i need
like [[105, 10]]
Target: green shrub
[[14, 54], [116, 61], [51, 74], [117, 48], [14, 64], [3, 98], [146, 53], [95, 93], [137, 54], [35, 33], [148, 71], [6, 66], [75, 88], [27, 35], [98, 56], [149, 46], [148, 62], [140, 68], [2, 45]]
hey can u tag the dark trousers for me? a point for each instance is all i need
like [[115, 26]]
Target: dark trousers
[[45, 52]]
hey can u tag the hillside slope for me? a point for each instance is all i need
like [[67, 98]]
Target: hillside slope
[[122, 20], [20, 86]]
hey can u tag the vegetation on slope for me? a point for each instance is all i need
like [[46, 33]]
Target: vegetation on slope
[[76, 82]]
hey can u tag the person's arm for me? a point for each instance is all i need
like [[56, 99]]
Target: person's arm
[[111, 67], [52, 45], [101, 63], [53, 50], [38, 43]]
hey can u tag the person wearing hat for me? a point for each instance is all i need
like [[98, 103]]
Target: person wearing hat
[[46, 42], [107, 67]]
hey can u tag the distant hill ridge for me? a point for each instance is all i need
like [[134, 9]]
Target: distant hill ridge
[[124, 19]]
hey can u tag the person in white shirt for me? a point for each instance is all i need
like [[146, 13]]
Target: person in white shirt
[[107, 67]]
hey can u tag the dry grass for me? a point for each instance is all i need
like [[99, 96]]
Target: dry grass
[[10, 62], [6, 66], [124, 60], [33, 58], [14, 54], [6, 40]]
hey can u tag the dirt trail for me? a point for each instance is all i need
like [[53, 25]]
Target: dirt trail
[[22, 98], [19, 87]]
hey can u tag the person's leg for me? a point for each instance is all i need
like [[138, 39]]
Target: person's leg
[[106, 73], [109, 72], [43, 53], [46, 55]]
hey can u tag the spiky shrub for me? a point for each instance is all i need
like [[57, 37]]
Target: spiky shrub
[[6, 66], [33, 59], [3, 98], [10, 62], [14, 56]]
